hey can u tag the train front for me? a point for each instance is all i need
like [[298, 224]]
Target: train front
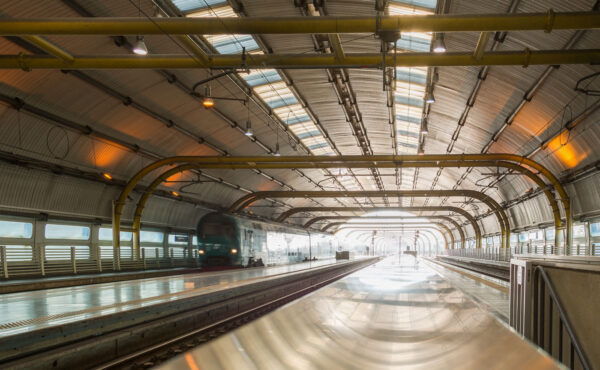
[[218, 241]]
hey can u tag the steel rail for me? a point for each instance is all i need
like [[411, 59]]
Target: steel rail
[[304, 61], [301, 25], [445, 218]]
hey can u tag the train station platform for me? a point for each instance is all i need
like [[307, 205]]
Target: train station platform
[[30, 311], [393, 314], [51, 282], [67, 327]]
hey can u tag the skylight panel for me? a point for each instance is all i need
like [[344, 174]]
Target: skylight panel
[[408, 140], [267, 84], [409, 111], [412, 7], [412, 75], [290, 111], [304, 128], [308, 134], [222, 11], [323, 151], [232, 44], [406, 100], [187, 5], [418, 44], [276, 94], [315, 140], [297, 119], [259, 77], [404, 119], [407, 88], [413, 134]]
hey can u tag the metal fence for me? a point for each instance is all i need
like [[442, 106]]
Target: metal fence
[[16, 261], [505, 254]]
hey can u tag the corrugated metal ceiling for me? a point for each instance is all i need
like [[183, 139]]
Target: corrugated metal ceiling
[[502, 90]]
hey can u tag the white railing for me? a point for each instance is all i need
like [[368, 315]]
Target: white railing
[[505, 254], [22, 262]]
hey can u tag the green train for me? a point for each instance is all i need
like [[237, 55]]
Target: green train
[[227, 240]]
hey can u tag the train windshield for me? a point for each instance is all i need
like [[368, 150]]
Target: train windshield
[[217, 229]]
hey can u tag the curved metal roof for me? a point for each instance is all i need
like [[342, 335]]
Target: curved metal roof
[[321, 109]]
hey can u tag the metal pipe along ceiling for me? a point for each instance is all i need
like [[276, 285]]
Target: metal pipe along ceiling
[[305, 61], [301, 25]]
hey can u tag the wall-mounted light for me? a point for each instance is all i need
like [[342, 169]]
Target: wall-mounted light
[[139, 47]]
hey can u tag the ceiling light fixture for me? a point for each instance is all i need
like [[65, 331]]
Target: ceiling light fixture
[[248, 128], [139, 47], [207, 101], [248, 123], [438, 45], [277, 154], [176, 194], [429, 98], [424, 128], [107, 176]]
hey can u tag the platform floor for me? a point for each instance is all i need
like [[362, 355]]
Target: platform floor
[[28, 311], [394, 314]]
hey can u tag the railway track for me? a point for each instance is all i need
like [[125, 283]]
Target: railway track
[[166, 350], [150, 335], [482, 267]]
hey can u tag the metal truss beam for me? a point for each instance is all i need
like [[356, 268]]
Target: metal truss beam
[[403, 227], [247, 200], [456, 210], [464, 160], [445, 218]]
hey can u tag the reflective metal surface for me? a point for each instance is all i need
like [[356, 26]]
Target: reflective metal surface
[[390, 315], [26, 311]]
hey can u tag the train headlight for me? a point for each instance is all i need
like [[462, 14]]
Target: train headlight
[[201, 251], [234, 251]]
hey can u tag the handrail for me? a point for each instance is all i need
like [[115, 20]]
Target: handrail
[[563, 319]]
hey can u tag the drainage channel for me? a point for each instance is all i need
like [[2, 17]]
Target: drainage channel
[[153, 341]]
